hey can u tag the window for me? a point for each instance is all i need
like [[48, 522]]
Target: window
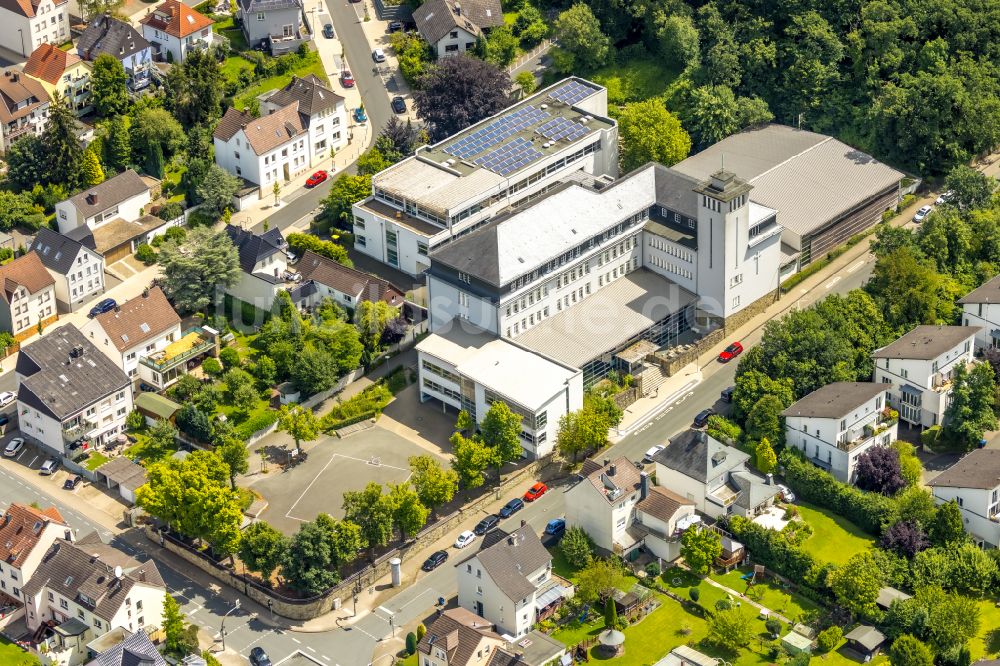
[[422, 248], [463, 299], [63, 604], [454, 34], [260, 16], [736, 301]]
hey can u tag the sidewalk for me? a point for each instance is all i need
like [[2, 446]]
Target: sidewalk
[[671, 391]]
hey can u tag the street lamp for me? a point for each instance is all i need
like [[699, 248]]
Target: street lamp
[[222, 629], [270, 604]]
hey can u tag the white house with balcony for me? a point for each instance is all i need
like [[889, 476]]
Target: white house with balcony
[[981, 307], [26, 533], [974, 484], [510, 583], [603, 504], [463, 367], [77, 269], [124, 196], [24, 107], [834, 425], [263, 263], [917, 369], [172, 29]]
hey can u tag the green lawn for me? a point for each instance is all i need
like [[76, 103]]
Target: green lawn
[[233, 65], [145, 450], [12, 655], [273, 82], [775, 598], [987, 643], [834, 539], [227, 29], [635, 80], [95, 460]]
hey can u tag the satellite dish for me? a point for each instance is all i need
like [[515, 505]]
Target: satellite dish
[[118, 572]]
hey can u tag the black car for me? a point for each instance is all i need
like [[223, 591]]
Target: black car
[[328, 31], [511, 507], [727, 394], [4, 419], [395, 26], [701, 419], [434, 561], [107, 305], [259, 658], [398, 104], [72, 482], [487, 524]]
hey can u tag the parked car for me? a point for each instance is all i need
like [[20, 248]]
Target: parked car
[[435, 560], [701, 418], [72, 482], [653, 450], [292, 276], [259, 658], [786, 493], [487, 524], [48, 467], [922, 213], [727, 394], [398, 104], [395, 26], [731, 352], [556, 527], [317, 178], [465, 538], [347, 79], [945, 197], [13, 446], [359, 115], [107, 305], [328, 31], [4, 419], [6, 398], [511, 507], [535, 491], [378, 55]]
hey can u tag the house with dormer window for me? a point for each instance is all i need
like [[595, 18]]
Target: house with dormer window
[[173, 29], [123, 197], [106, 35], [78, 270], [26, 533]]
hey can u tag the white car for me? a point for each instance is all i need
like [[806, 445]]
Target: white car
[[922, 213], [13, 446], [648, 457], [6, 398], [786, 493], [465, 538], [945, 197]]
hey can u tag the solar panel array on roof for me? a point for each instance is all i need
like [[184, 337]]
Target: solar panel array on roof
[[572, 92], [496, 132], [561, 128], [509, 158]]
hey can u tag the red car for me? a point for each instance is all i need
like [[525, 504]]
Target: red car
[[731, 352], [316, 178], [347, 79], [535, 491]]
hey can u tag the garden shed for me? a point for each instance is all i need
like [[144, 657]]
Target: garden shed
[[865, 640], [156, 407], [796, 643], [887, 595]]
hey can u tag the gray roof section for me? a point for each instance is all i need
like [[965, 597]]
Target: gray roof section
[[110, 193], [693, 453], [312, 95], [57, 252], [979, 469], [866, 636], [61, 384], [265, 5], [989, 292], [835, 400], [134, 650], [111, 36], [887, 595], [254, 247], [675, 190], [511, 560], [754, 489], [436, 18], [927, 342]]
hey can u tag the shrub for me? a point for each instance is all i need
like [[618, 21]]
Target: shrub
[[773, 549], [421, 631], [212, 367], [695, 594], [773, 626], [828, 638], [652, 569], [146, 254], [411, 643], [929, 438], [170, 211], [256, 422], [577, 547], [230, 357], [134, 420]]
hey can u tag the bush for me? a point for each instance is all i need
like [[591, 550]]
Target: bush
[[212, 367], [773, 626], [255, 423], [146, 254], [577, 547], [230, 357], [411, 643], [652, 569], [134, 420], [773, 549], [365, 404], [170, 211], [930, 437], [828, 638], [421, 631], [695, 594]]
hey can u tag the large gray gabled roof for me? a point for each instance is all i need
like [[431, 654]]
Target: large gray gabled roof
[[105, 34], [693, 453], [926, 342], [57, 252], [510, 561], [835, 400]]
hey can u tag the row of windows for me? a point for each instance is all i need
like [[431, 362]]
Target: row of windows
[[666, 247], [529, 321], [621, 248], [529, 420], [527, 300], [408, 206], [676, 218], [441, 372], [617, 272], [434, 386], [573, 296]]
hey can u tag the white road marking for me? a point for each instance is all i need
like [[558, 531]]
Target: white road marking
[[856, 265], [288, 514], [832, 282], [297, 641], [325, 657], [310, 649]]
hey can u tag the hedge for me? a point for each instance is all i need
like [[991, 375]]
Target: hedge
[[773, 550], [256, 422], [329, 425], [871, 512]]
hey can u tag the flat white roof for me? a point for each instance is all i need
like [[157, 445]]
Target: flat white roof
[[524, 377]]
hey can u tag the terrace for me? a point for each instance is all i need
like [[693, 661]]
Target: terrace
[[167, 364]]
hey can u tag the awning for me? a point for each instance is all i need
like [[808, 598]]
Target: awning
[[911, 390], [550, 596]]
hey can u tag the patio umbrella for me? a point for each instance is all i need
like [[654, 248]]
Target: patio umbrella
[[611, 638]]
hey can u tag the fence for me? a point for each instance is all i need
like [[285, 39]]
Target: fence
[[541, 49]]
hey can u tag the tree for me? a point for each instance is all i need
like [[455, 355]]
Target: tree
[[952, 620], [916, 505], [910, 467], [470, 460], [162, 436], [194, 88], [501, 46], [678, 40], [372, 161], [346, 191], [905, 538], [970, 409], [109, 86], [582, 45], [314, 370], [300, 423], [240, 387], [117, 143], [300, 243], [730, 629], [752, 386], [216, 191], [600, 578], [649, 133], [234, 453], [409, 515], [193, 421], [19, 209], [764, 420], [91, 8], [63, 149], [699, 548], [434, 484], [459, 91], [970, 188], [153, 128], [765, 457], [195, 267], [526, 82], [910, 289], [27, 163], [856, 584], [372, 511], [947, 528], [878, 471], [907, 650], [411, 643], [178, 639], [828, 638], [263, 549], [501, 433], [722, 429], [464, 422], [91, 172], [610, 614], [581, 431], [371, 318], [577, 547], [317, 551], [715, 112]]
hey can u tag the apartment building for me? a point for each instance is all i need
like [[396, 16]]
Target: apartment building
[[78, 270], [26, 534], [173, 29], [834, 425], [917, 369], [603, 504], [69, 392], [24, 107], [981, 307], [124, 197], [28, 299], [25, 26], [111, 36], [62, 73], [974, 484], [449, 188]]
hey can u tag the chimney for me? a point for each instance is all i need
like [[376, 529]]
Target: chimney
[[770, 479], [458, 9], [643, 485], [92, 198], [523, 522], [13, 77], [510, 541], [145, 292], [607, 461], [611, 470]]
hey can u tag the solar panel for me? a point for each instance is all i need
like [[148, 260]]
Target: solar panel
[[572, 92], [510, 157], [561, 128], [497, 131]]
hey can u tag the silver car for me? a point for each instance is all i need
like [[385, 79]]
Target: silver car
[[48, 467]]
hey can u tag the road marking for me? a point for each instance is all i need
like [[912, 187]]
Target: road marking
[[856, 265], [325, 657], [832, 282], [310, 649], [297, 640], [33, 461]]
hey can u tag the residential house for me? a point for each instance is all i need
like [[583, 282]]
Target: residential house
[[663, 515], [458, 637], [69, 392], [981, 307], [118, 238], [263, 263], [279, 25], [837, 423], [172, 29], [122, 197], [28, 299], [62, 73], [24, 107], [452, 27], [118, 39], [27, 24], [77, 270], [26, 533], [713, 475], [510, 583], [86, 590], [974, 483], [464, 367], [917, 369], [325, 278], [603, 504], [301, 123], [135, 650]]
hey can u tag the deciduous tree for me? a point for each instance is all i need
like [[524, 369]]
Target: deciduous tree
[[459, 91], [194, 88], [647, 132], [856, 584], [263, 549], [907, 650], [878, 471], [434, 484], [600, 578], [216, 191], [582, 431], [372, 511], [947, 528], [970, 188], [409, 515], [234, 453], [195, 267], [905, 538], [300, 423], [108, 86], [471, 459], [346, 191], [583, 47], [699, 548], [577, 547], [970, 409], [501, 433], [730, 629]]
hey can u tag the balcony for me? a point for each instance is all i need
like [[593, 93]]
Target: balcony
[[193, 343], [941, 382], [78, 428], [860, 435]]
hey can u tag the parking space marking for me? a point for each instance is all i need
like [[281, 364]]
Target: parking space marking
[[856, 265]]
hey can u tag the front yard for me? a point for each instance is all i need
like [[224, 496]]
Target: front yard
[[274, 82], [834, 539]]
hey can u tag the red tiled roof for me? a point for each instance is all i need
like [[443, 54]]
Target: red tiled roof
[[176, 19], [28, 272], [48, 63], [18, 532]]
